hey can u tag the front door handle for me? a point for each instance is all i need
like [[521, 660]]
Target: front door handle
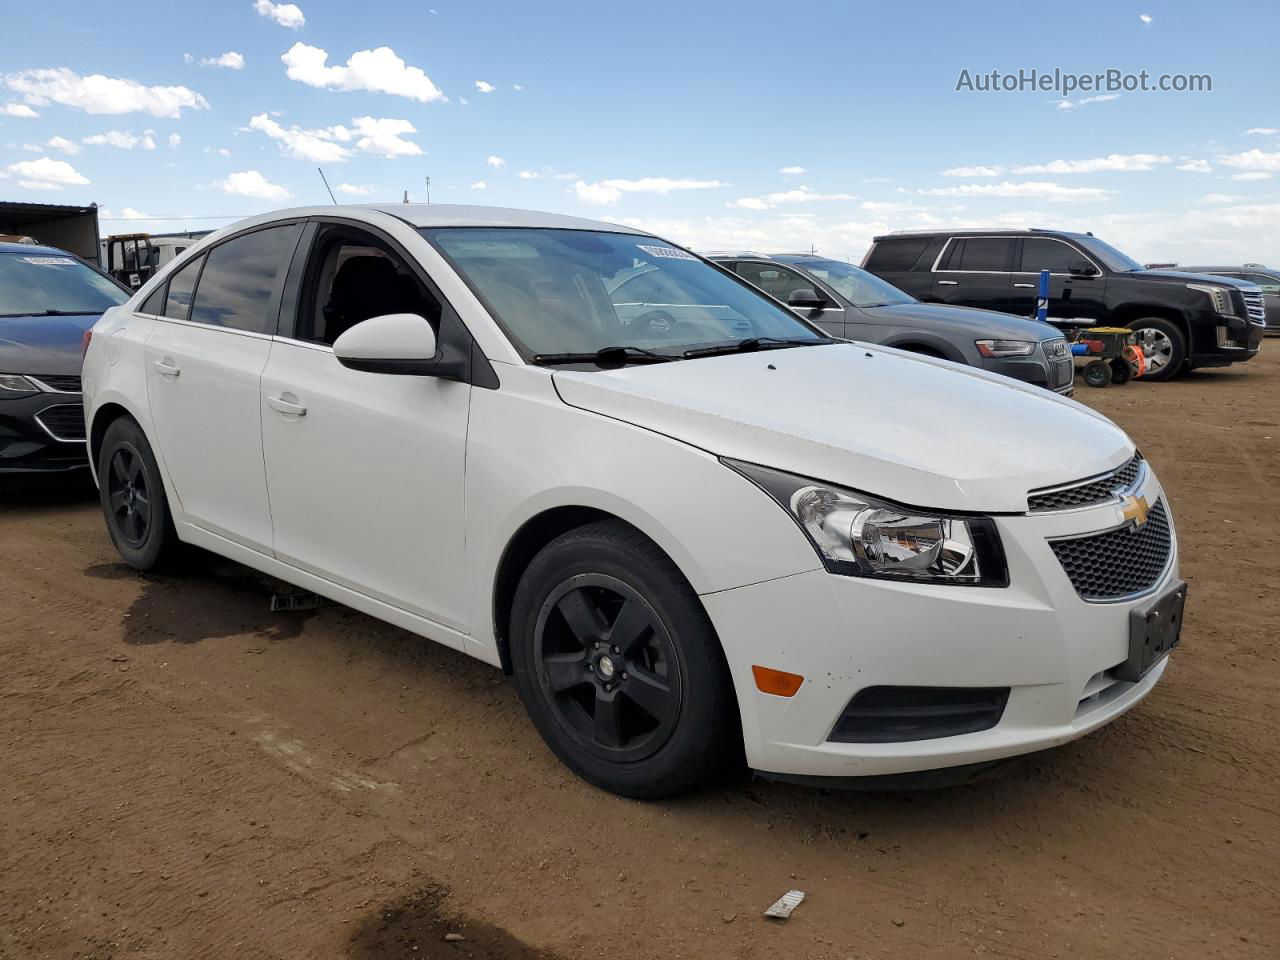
[[282, 405], [948, 283], [167, 368], [1025, 286]]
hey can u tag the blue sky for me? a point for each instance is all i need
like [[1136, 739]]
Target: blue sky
[[719, 124]]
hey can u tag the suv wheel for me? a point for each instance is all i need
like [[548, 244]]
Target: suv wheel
[[618, 664], [1162, 345], [133, 500]]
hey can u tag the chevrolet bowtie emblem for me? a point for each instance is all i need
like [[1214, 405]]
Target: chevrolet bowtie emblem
[[1135, 509]]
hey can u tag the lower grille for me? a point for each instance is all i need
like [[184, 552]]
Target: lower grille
[[63, 422], [900, 714], [1255, 306], [60, 383], [1118, 563], [1086, 492]]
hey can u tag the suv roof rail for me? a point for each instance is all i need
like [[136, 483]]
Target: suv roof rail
[[731, 253], [1253, 266]]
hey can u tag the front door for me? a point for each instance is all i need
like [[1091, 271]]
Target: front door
[[365, 470], [974, 272], [1075, 299], [204, 359]]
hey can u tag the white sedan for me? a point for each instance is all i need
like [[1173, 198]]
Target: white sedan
[[687, 534]]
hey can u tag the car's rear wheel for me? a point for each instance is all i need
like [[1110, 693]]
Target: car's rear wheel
[[133, 498], [619, 666], [1163, 347]]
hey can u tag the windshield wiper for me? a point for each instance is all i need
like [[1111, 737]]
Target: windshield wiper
[[755, 343], [605, 357], [53, 313]]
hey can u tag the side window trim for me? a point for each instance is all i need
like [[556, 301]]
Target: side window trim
[[1008, 263], [1053, 273], [833, 303]]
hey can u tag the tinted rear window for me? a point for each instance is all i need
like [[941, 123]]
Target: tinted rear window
[[181, 285], [897, 253], [983, 254], [238, 285]]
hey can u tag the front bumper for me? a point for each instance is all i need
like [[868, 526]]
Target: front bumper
[[1054, 652], [34, 438], [1038, 370]]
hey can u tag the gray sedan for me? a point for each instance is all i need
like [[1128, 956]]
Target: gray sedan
[[846, 301]]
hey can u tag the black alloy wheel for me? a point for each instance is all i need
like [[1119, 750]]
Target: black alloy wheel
[[606, 663], [129, 494]]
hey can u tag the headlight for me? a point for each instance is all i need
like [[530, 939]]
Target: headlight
[[861, 536], [1220, 296], [1005, 348], [12, 383]]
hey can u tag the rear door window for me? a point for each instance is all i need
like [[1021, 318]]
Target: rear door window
[[983, 254], [240, 285], [897, 254], [181, 286]]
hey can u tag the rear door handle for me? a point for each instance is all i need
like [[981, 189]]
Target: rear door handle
[[948, 283], [1026, 286], [167, 368], [282, 405]]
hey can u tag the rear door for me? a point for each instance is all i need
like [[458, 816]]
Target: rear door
[[204, 361], [1074, 299], [975, 272], [780, 282]]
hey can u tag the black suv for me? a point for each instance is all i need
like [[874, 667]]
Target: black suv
[[1183, 320]]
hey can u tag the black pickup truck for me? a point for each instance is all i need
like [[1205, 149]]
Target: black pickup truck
[[1183, 320]]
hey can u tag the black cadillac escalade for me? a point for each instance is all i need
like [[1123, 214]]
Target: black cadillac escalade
[[1183, 320]]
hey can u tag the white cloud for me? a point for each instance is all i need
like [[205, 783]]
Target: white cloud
[[250, 183], [479, 185], [1220, 198], [516, 87], [123, 139], [1144, 17], [1253, 175], [379, 71], [793, 171], [496, 162], [128, 213], [1085, 101], [980, 171], [61, 144], [484, 87], [1030, 190], [800, 194], [1112, 163], [380, 136], [99, 94], [608, 192], [228, 61], [546, 173], [17, 110], [1254, 159], [285, 14], [45, 174], [355, 189], [1262, 131], [174, 140], [1195, 166]]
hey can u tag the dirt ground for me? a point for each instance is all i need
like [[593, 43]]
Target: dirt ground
[[185, 774]]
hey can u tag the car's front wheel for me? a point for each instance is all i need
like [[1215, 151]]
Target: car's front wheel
[[1163, 347], [133, 498], [619, 666]]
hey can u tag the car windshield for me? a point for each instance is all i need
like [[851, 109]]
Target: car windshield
[[860, 288], [1111, 258], [36, 283], [581, 291]]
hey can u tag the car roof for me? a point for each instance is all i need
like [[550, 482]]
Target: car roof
[[1237, 268], [462, 215], [37, 248], [981, 232]]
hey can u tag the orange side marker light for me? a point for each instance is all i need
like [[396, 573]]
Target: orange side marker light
[[777, 682]]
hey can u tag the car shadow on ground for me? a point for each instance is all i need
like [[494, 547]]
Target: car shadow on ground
[[22, 491]]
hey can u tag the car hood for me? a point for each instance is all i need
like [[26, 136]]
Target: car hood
[[920, 431], [1177, 276], [981, 323], [37, 345]]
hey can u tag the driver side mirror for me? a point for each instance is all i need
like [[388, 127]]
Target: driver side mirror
[[396, 343], [1082, 268], [805, 298]]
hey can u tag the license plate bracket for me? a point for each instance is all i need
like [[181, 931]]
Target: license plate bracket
[[1154, 629]]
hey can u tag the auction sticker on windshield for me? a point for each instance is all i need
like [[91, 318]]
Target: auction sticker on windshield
[[49, 261]]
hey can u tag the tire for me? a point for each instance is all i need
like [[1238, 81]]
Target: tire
[[1097, 373], [1121, 372], [133, 499], [1164, 346], [598, 699]]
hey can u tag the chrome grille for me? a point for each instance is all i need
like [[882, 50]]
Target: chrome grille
[[61, 384], [1086, 492], [65, 421], [1056, 349], [1255, 306], [1119, 563]]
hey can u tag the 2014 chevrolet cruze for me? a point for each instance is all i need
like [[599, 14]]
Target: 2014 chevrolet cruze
[[687, 527]]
